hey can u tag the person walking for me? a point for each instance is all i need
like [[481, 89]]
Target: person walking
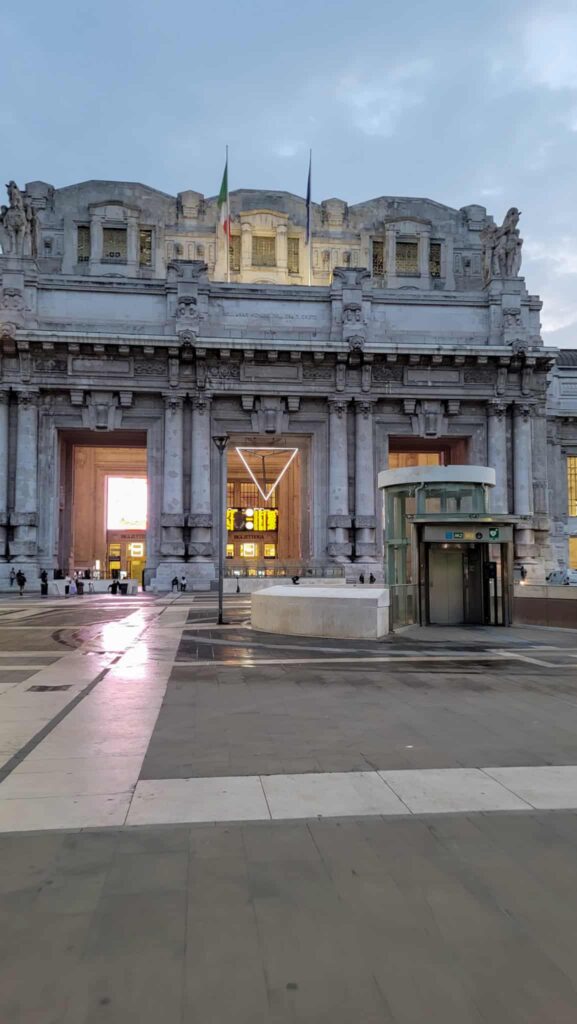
[[182, 584], [67, 582], [12, 576], [44, 583], [20, 581]]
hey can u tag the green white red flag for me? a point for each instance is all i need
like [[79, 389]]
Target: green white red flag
[[223, 203]]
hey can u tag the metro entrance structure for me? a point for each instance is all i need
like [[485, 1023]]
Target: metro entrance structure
[[448, 558], [125, 349]]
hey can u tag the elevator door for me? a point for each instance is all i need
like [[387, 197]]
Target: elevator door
[[445, 586]]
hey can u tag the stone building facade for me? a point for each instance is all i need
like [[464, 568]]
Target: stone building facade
[[118, 326]]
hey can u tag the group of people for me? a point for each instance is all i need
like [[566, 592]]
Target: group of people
[[178, 585], [77, 582]]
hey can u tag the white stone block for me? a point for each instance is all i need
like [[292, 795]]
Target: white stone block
[[355, 613]]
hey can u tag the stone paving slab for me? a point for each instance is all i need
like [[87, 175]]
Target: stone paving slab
[[282, 719], [459, 919]]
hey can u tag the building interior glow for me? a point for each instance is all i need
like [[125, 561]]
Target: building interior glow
[[126, 503]]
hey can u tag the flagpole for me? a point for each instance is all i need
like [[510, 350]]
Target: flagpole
[[228, 232], [309, 215]]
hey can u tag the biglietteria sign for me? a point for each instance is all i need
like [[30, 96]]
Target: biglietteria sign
[[254, 461]]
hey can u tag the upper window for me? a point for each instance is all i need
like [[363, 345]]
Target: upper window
[[234, 253], [407, 258], [378, 257], [572, 484], [435, 259], [83, 244], [145, 247], [293, 255], [263, 251], [114, 245]]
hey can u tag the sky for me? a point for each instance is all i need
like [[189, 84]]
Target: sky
[[459, 102]]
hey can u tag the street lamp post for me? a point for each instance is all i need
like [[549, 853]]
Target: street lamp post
[[221, 442]]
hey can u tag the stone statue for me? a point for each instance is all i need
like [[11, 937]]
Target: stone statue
[[18, 224], [502, 248]]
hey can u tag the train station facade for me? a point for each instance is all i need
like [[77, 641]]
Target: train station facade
[[133, 330]]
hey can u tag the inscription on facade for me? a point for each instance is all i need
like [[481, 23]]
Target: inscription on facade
[[100, 367]]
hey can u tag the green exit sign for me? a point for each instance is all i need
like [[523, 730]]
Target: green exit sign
[[458, 535]]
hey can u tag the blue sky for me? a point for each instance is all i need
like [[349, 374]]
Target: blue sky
[[461, 103]]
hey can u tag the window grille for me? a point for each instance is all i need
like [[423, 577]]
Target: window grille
[[145, 247], [234, 253], [346, 258], [572, 484], [230, 494], [378, 257], [326, 260], [263, 251], [407, 258], [293, 255], [83, 244], [249, 496], [114, 245], [435, 259]]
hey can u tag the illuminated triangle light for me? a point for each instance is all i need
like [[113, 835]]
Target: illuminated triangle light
[[272, 451]]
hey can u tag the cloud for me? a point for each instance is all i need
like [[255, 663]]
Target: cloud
[[549, 43], [286, 148], [378, 103]]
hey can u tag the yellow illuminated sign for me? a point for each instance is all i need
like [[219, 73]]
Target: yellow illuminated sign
[[136, 549], [262, 520]]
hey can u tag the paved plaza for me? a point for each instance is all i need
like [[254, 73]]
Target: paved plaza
[[202, 823]]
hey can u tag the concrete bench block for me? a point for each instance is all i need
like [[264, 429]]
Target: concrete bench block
[[355, 613]]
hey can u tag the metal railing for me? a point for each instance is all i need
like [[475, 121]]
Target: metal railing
[[293, 569]]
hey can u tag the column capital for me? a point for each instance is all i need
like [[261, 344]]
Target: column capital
[[522, 409], [338, 406], [364, 407], [172, 403], [201, 403], [28, 398], [497, 408]]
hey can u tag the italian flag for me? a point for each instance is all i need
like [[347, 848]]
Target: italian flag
[[223, 206]]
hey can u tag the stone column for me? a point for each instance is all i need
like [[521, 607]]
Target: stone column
[[390, 253], [25, 517], [424, 250], [540, 468], [4, 406], [497, 454], [172, 519], [48, 486], [200, 518], [245, 246], [282, 247], [365, 523], [523, 488], [339, 520], [522, 460]]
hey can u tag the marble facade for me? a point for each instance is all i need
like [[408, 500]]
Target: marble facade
[[116, 316]]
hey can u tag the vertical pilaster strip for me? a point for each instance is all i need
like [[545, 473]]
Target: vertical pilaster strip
[[497, 454], [172, 479], [26, 493], [4, 410], [365, 523], [522, 460], [25, 516], [339, 522], [200, 519]]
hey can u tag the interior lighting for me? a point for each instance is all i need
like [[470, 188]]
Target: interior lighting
[[126, 503]]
